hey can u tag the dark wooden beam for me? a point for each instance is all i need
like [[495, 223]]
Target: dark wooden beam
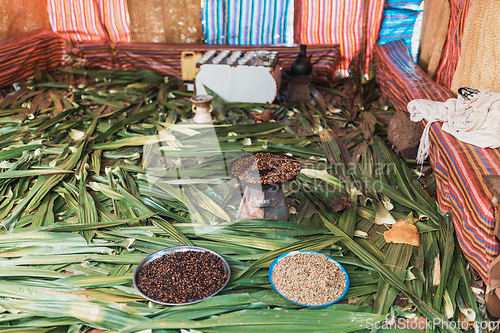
[[297, 23]]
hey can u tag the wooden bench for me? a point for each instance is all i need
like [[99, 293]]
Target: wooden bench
[[166, 59], [459, 167]]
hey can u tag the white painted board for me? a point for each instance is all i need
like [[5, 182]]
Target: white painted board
[[246, 84]]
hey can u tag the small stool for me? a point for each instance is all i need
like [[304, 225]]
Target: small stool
[[266, 202], [298, 87]]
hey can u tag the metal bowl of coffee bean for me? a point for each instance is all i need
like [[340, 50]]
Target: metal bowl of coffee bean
[[181, 275], [308, 278], [265, 169]]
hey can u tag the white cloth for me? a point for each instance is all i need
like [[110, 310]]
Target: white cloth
[[475, 120]]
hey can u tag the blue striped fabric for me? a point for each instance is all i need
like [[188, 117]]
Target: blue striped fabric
[[403, 3], [247, 22], [398, 22]]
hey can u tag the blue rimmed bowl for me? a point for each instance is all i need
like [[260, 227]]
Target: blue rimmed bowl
[[275, 262]]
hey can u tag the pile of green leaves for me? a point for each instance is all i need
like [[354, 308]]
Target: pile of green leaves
[[77, 214]]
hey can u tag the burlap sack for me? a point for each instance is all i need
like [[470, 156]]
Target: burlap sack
[[435, 21], [479, 64]]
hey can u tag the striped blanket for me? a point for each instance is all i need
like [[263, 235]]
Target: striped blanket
[[166, 59], [458, 166], [98, 20], [449, 62], [399, 22], [242, 22], [20, 55], [339, 22], [247, 22]]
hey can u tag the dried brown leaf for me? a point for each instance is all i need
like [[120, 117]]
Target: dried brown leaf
[[403, 233]]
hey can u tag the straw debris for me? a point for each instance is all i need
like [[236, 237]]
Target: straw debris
[[81, 214]]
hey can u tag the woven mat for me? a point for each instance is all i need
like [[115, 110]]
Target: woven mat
[[479, 64], [435, 21]]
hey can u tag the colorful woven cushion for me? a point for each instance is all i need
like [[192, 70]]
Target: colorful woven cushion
[[458, 166], [20, 55]]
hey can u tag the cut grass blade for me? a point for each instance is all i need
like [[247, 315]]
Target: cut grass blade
[[158, 221], [256, 319], [30, 173]]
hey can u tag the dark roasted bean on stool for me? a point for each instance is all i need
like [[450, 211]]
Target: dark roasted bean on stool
[[265, 168], [182, 277]]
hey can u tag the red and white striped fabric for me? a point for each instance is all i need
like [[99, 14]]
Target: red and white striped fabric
[[20, 55], [78, 20], [115, 17], [375, 14], [340, 22]]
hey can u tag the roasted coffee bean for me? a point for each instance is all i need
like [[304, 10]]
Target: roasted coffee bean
[[182, 277], [265, 168]]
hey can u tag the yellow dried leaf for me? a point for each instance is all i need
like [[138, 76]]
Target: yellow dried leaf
[[403, 233]]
